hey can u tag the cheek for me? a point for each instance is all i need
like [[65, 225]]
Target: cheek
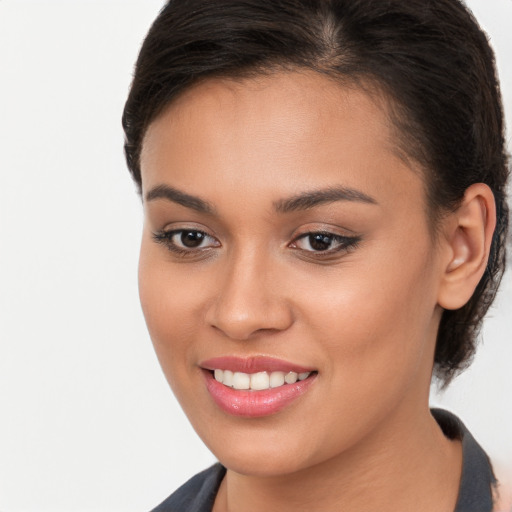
[[172, 304], [376, 325]]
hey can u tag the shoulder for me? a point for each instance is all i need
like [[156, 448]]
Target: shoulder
[[197, 494]]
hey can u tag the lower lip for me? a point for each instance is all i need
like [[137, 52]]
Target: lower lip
[[255, 404]]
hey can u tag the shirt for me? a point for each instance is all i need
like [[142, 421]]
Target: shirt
[[475, 490]]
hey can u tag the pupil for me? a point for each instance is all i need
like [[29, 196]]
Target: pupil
[[320, 242], [192, 238]]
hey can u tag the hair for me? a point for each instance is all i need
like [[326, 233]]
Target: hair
[[429, 57]]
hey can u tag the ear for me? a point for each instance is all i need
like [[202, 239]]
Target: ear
[[468, 234]]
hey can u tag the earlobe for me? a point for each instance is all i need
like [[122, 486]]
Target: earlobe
[[468, 234]]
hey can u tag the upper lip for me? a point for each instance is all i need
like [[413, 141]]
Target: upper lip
[[253, 364]]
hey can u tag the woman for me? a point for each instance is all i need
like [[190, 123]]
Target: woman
[[325, 221]]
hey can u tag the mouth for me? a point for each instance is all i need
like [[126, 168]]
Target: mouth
[[257, 381], [255, 387]]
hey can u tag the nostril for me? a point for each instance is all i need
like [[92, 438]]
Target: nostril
[[254, 322]]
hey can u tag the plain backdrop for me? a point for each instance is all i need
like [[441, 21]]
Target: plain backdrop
[[87, 422]]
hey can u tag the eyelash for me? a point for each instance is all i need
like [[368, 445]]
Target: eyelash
[[166, 238], [345, 243]]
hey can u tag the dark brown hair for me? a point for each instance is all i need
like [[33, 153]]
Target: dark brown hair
[[429, 57]]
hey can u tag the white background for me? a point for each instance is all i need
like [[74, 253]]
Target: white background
[[87, 422]]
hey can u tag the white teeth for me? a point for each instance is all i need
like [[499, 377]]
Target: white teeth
[[228, 378], [291, 378], [276, 379], [241, 380], [260, 381], [257, 381]]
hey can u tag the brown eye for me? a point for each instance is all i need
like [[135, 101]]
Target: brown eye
[[320, 242], [324, 242], [186, 241], [192, 239]]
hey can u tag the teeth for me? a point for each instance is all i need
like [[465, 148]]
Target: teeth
[[227, 378], [257, 381], [291, 378], [260, 380], [276, 379], [241, 380]]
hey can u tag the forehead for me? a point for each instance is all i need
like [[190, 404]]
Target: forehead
[[294, 130], [297, 104]]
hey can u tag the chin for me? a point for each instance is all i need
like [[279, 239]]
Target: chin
[[262, 463], [265, 449]]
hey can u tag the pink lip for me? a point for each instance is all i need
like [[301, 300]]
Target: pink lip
[[253, 365], [254, 404]]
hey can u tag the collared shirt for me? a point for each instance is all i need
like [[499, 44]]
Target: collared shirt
[[475, 491]]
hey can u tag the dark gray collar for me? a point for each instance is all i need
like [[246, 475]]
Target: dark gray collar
[[478, 480]]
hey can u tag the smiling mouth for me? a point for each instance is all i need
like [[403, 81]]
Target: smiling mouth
[[258, 381], [257, 386]]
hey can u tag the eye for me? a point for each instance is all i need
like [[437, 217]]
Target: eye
[[186, 241], [323, 242]]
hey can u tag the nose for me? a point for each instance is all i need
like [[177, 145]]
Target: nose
[[249, 300]]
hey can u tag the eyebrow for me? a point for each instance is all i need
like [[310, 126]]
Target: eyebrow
[[302, 201], [307, 200], [176, 196]]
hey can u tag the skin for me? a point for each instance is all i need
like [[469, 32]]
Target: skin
[[365, 317]]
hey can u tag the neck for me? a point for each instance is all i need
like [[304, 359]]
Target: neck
[[407, 465]]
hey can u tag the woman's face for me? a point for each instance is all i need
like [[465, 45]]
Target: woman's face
[[284, 233]]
